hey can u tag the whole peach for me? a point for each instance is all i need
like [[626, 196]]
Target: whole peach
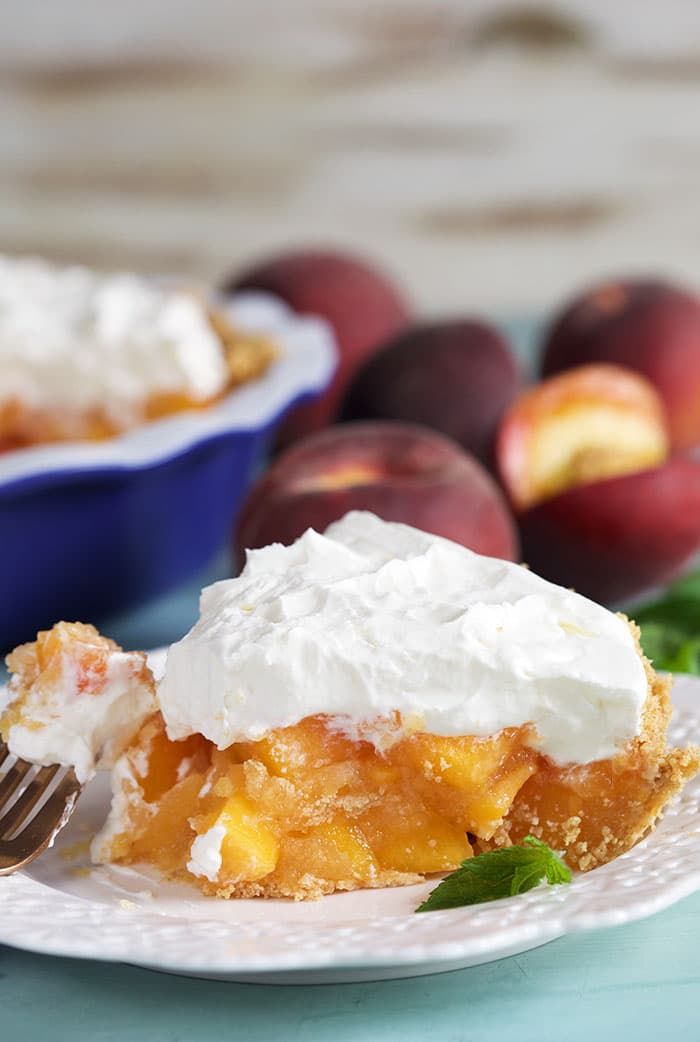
[[649, 326], [360, 302], [455, 376], [400, 472], [614, 539]]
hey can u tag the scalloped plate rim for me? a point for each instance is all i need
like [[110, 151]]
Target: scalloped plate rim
[[329, 951]]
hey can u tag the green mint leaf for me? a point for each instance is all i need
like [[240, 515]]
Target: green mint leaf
[[660, 641], [555, 870], [686, 658], [670, 648], [674, 613], [496, 874], [670, 626], [525, 878]]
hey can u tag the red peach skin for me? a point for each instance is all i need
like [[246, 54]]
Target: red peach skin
[[646, 325], [456, 376], [614, 539], [400, 472], [362, 305]]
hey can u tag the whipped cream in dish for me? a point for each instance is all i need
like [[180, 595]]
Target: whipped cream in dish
[[74, 339], [375, 618]]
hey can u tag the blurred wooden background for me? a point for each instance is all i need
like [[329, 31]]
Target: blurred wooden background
[[494, 156]]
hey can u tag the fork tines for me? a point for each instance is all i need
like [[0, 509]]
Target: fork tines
[[35, 802]]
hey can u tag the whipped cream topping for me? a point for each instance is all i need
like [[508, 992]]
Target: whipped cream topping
[[79, 729], [205, 853], [374, 618], [73, 339]]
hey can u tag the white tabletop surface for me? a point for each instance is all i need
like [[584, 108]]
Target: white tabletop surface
[[486, 175]]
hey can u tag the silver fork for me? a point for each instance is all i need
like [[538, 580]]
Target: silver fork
[[35, 804]]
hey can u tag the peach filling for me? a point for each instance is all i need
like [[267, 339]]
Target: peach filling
[[307, 810], [310, 809]]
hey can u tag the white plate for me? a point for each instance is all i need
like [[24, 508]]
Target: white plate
[[61, 906]]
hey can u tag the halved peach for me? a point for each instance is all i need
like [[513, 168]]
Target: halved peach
[[647, 325], [584, 425]]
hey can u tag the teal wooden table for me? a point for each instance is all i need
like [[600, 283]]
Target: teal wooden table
[[643, 979], [640, 981]]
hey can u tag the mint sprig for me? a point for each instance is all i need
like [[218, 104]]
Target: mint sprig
[[670, 626], [498, 873]]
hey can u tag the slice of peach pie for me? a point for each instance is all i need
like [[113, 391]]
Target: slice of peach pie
[[369, 706], [88, 356]]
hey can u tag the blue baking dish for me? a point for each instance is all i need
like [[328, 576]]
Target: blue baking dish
[[92, 528]]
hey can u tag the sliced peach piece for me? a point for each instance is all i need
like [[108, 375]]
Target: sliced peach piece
[[167, 829], [169, 762], [249, 847], [486, 772], [413, 838], [465, 763], [74, 646], [307, 745], [584, 425], [337, 849]]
